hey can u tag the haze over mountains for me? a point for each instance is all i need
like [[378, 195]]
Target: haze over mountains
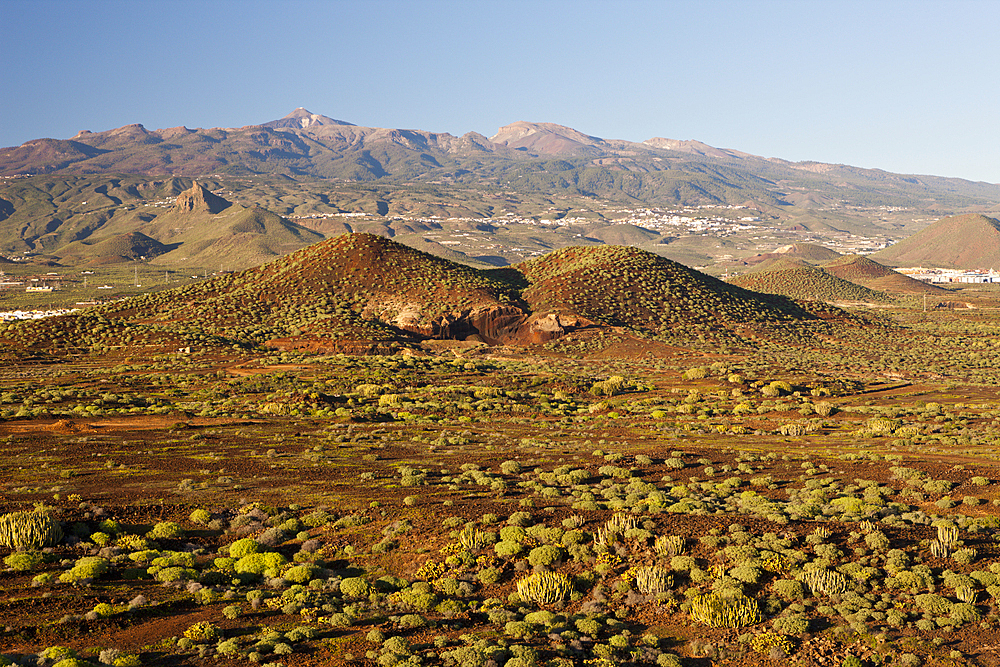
[[109, 196], [524, 156]]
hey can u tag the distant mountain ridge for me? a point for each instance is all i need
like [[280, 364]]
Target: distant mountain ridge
[[525, 156]]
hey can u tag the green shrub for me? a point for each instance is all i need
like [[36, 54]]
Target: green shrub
[[513, 534], [877, 541], [355, 587], [100, 539], [412, 621], [748, 574], [173, 559], [166, 530], [301, 574], [518, 630], [545, 555], [417, 597], [508, 549], [174, 573], [229, 648], [789, 589], [260, 563], [103, 609], [203, 632], [200, 517], [933, 604], [88, 567], [244, 547], [338, 620], [963, 612], [24, 561], [791, 624]]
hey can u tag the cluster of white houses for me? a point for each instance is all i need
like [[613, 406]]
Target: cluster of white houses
[[951, 275], [11, 315]]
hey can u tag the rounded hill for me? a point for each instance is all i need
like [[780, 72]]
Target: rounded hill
[[352, 287], [807, 282], [626, 286], [969, 241], [869, 273], [113, 250], [357, 292]]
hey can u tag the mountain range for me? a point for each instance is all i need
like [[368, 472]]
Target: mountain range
[[268, 189], [521, 156]]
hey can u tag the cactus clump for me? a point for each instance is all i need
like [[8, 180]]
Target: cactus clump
[[27, 531], [652, 580], [544, 587], [717, 611]]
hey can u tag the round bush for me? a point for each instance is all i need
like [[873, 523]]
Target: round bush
[[355, 587], [244, 547], [545, 555], [201, 517], [508, 549], [301, 574], [412, 621], [789, 589], [24, 562], [513, 534], [791, 624], [202, 632], [88, 567], [259, 563], [166, 530]]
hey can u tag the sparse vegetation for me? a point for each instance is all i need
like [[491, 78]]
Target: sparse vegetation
[[448, 502]]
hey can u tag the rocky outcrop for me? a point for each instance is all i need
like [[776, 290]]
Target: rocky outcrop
[[541, 328], [493, 324], [200, 199]]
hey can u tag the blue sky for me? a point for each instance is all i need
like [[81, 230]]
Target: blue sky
[[907, 86]]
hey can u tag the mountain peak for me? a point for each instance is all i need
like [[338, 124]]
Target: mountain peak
[[200, 198], [302, 118], [545, 138]]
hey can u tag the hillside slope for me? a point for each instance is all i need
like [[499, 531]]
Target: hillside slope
[[956, 242], [81, 220], [806, 252], [869, 273], [808, 282], [359, 290], [625, 286]]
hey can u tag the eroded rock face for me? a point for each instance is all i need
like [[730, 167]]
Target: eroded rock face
[[199, 198], [541, 328], [493, 324]]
